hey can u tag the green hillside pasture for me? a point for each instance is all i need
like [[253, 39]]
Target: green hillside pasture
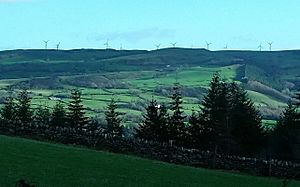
[[264, 100], [46, 165], [195, 76]]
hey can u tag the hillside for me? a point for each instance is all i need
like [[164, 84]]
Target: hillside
[[134, 76], [46, 164]]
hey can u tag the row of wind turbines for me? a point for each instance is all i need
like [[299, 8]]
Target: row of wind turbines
[[260, 47], [46, 44], [173, 44]]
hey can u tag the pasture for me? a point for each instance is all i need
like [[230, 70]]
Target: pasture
[[44, 164]]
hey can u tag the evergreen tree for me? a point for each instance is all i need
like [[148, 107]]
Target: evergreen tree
[[154, 126], [58, 121], [195, 130], [162, 119], [42, 118], [58, 116], [24, 113], [8, 116], [114, 128], [230, 119], [176, 126], [285, 133], [77, 119], [148, 129], [215, 114], [247, 130], [93, 132]]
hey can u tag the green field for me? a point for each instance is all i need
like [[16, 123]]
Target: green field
[[46, 165]]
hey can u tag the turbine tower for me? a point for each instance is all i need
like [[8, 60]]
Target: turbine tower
[[260, 47], [106, 44], [46, 43], [121, 47], [226, 46], [207, 45], [57, 46], [157, 46], [270, 45], [174, 44]]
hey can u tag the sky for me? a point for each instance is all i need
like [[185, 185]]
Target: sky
[[142, 24]]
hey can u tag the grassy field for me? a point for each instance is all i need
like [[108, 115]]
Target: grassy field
[[48, 165]]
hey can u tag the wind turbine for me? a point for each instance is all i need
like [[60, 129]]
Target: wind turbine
[[260, 47], [157, 46], [226, 46], [174, 44], [270, 45], [121, 47], [46, 43], [207, 45], [106, 44], [57, 46]]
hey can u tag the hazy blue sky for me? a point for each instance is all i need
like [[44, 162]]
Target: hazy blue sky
[[140, 24]]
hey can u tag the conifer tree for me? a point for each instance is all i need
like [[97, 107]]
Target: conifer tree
[[285, 133], [247, 130], [8, 116], [230, 119], [148, 129], [194, 129], [42, 118], [114, 128], [197, 132], [58, 116], [214, 114], [162, 120], [77, 119], [93, 132], [58, 121], [24, 113], [154, 126], [176, 126]]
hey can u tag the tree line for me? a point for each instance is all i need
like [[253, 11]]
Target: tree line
[[227, 122], [67, 124]]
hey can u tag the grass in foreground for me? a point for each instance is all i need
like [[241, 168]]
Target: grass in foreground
[[46, 164]]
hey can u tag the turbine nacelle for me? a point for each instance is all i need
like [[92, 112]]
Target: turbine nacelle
[[260, 47], [270, 45], [207, 45], [106, 44], [57, 46], [46, 43], [174, 44], [157, 46]]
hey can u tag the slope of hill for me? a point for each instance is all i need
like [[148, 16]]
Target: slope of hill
[[133, 76], [46, 164]]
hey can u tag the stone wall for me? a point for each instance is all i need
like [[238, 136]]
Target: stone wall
[[198, 158]]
